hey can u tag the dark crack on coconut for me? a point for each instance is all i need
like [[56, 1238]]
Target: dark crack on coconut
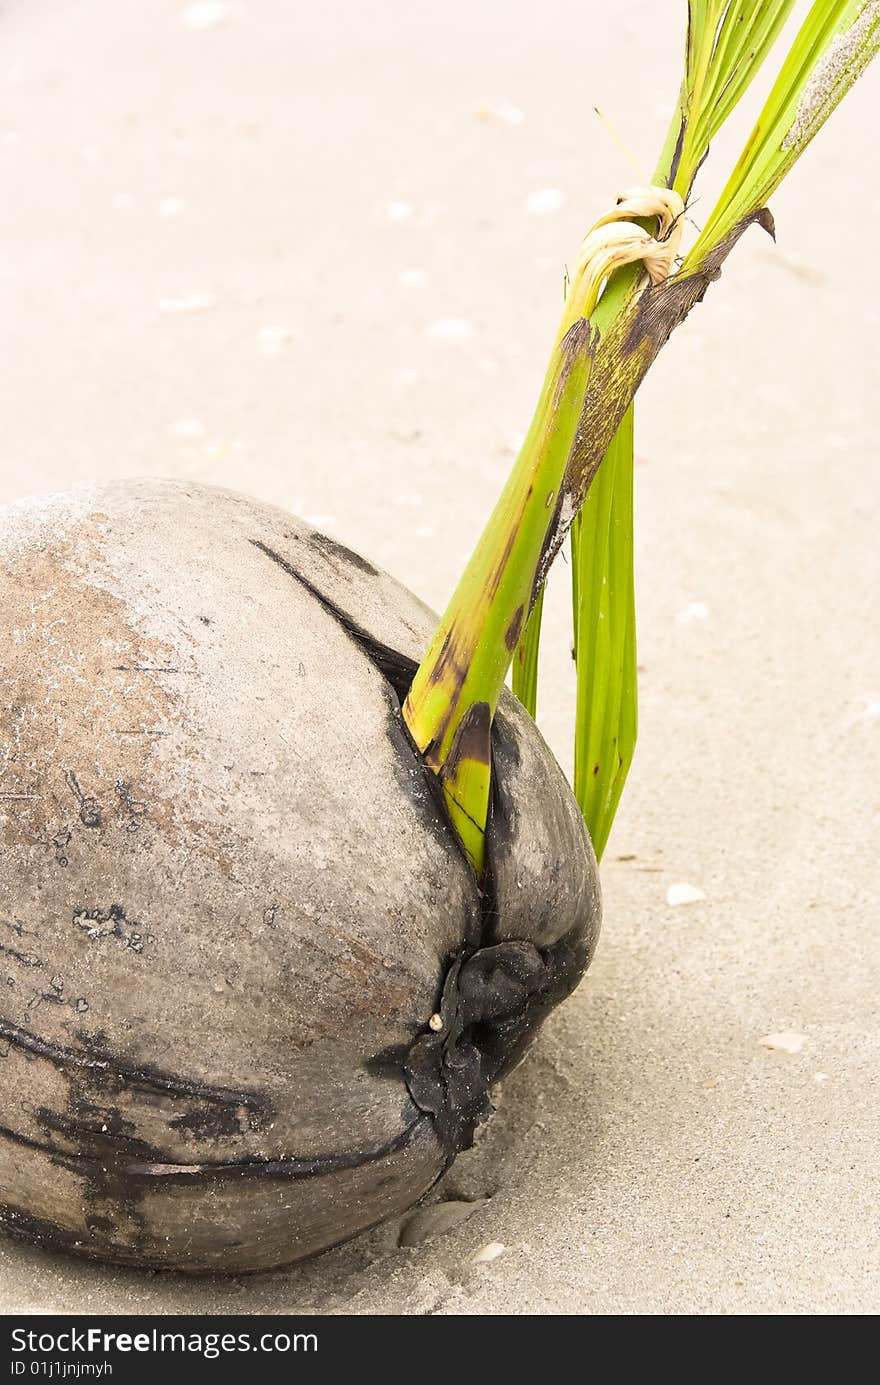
[[494, 997], [395, 668]]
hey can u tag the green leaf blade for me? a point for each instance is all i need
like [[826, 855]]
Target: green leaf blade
[[525, 661], [603, 598]]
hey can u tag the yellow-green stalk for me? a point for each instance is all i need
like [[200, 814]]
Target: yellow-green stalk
[[453, 697]]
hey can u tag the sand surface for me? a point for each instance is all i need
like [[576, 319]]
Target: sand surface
[[318, 256]]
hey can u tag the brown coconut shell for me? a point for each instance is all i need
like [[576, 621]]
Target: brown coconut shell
[[230, 902]]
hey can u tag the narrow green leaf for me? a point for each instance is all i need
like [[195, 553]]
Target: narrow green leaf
[[726, 47], [525, 661], [603, 598], [833, 47]]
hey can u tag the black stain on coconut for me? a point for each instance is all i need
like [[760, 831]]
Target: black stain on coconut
[[20, 1224], [94, 1137], [213, 1121], [115, 1231], [24, 959], [59, 844], [331, 548], [99, 923], [293, 1167], [106, 1067], [134, 809], [89, 807]]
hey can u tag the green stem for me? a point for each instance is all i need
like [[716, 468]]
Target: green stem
[[603, 602], [525, 662], [454, 694]]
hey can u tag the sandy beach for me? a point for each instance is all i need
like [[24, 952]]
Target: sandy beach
[[319, 257]]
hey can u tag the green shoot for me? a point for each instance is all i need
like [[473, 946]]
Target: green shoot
[[613, 327], [525, 663], [836, 42], [726, 45], [452, 700], [603, 600]]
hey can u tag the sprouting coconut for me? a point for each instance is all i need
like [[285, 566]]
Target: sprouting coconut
[[287, 879], [254, 998]]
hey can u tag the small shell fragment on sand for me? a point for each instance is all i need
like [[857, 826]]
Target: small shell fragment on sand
[[451, 329], [486, 1254], [436, 1220], [274, 338], [544, 201], [405, 378], [398, 210], [683, 893], [785, 1041], [694, 610], [205, 14], [170, 207]]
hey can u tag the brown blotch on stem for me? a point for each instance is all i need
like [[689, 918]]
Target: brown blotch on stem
[[514, 629], [472, 739], [620, 360]]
